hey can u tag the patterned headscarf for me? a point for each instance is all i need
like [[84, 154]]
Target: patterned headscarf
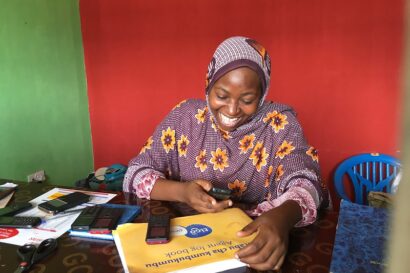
[[238, 52]]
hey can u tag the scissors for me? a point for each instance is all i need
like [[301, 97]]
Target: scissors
[[30, 254]]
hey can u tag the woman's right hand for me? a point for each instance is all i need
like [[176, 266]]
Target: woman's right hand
[[196, 196]]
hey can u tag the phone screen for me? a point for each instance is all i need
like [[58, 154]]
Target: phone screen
[[57, 202]]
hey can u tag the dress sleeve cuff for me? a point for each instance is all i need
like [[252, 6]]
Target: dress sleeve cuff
[[301, 195], [142, 182]]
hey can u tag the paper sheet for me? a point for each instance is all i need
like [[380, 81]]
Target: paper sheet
[[52, 226], [4, 201]]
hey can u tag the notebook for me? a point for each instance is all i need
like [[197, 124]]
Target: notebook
[[360, 239]]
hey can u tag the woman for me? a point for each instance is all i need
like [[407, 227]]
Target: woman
[[237, 140]]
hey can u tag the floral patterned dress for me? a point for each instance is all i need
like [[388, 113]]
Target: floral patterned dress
[[266, 161]]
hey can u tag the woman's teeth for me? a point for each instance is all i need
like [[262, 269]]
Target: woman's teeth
[[228, 121]]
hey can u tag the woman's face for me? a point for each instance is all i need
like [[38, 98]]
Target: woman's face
[[235, 97]]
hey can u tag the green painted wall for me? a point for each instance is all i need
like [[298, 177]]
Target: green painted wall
[[44, 120]]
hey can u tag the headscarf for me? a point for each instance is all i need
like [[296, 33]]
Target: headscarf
[[238, 52]]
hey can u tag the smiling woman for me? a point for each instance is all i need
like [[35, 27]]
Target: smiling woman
[[235, 140], [235, 98]]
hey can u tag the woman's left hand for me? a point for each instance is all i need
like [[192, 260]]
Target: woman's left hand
[[268, 250]]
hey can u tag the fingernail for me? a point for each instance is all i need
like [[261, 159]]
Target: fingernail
[[213, 202], [236, 256], [230, 203]]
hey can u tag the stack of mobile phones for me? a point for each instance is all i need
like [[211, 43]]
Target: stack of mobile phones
[[64, 202], [97, 219], [8, 220]]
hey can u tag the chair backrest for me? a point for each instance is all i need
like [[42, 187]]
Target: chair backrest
[[366, 172]]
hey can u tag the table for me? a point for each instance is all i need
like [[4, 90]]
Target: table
[[310, 247]]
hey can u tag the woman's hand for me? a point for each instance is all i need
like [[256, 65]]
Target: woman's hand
[[193, 193], [196, 196], [268, 250]]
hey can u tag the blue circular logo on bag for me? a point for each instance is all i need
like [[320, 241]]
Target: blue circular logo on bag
[[197, 230]]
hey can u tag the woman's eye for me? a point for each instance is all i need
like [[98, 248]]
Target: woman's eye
[[221, 97], [247, 102]]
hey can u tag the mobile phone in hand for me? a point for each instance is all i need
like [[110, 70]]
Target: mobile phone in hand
[[158, 229], [220, 194]]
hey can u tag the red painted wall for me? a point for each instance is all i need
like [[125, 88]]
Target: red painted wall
[[337, 62]]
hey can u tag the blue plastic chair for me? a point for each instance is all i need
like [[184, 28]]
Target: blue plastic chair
[[366, 172]]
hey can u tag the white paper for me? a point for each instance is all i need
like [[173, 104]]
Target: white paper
[[52, 226], [213, 267], [4, 201], [120, 250]]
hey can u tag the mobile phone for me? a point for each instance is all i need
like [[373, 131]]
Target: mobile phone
[[220, 194], [158, 229], [106, 220], [19, 222], [64, 202], [15, 208], [86, 218]]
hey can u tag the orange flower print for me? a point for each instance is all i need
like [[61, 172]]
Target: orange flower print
[[168, 139], [179, 104], [284, 149], [214, 126], [259, 156], [182, 145], [312, 152], [219, 159], [279, 172], [201, 115], [246, 143], [225, 134], [201, 161], [147, 145], [277, 120], [238, 187], [267, 180]]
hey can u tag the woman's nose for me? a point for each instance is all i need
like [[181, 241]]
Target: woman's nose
[[233, 108]]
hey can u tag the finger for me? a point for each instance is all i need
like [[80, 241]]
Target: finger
[[248, 230], [227, 203], [206, 185], [269, 262], [249, 253], [280, 263], [267, 259], [221, 205]]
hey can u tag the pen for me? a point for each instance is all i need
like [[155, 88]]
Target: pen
[[71, 211]]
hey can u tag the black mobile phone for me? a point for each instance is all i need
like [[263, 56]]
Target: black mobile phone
[[220, 194], [15, 208], [19, 222], [106, 220], [86, 218], [158, 229], [64, 202]]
